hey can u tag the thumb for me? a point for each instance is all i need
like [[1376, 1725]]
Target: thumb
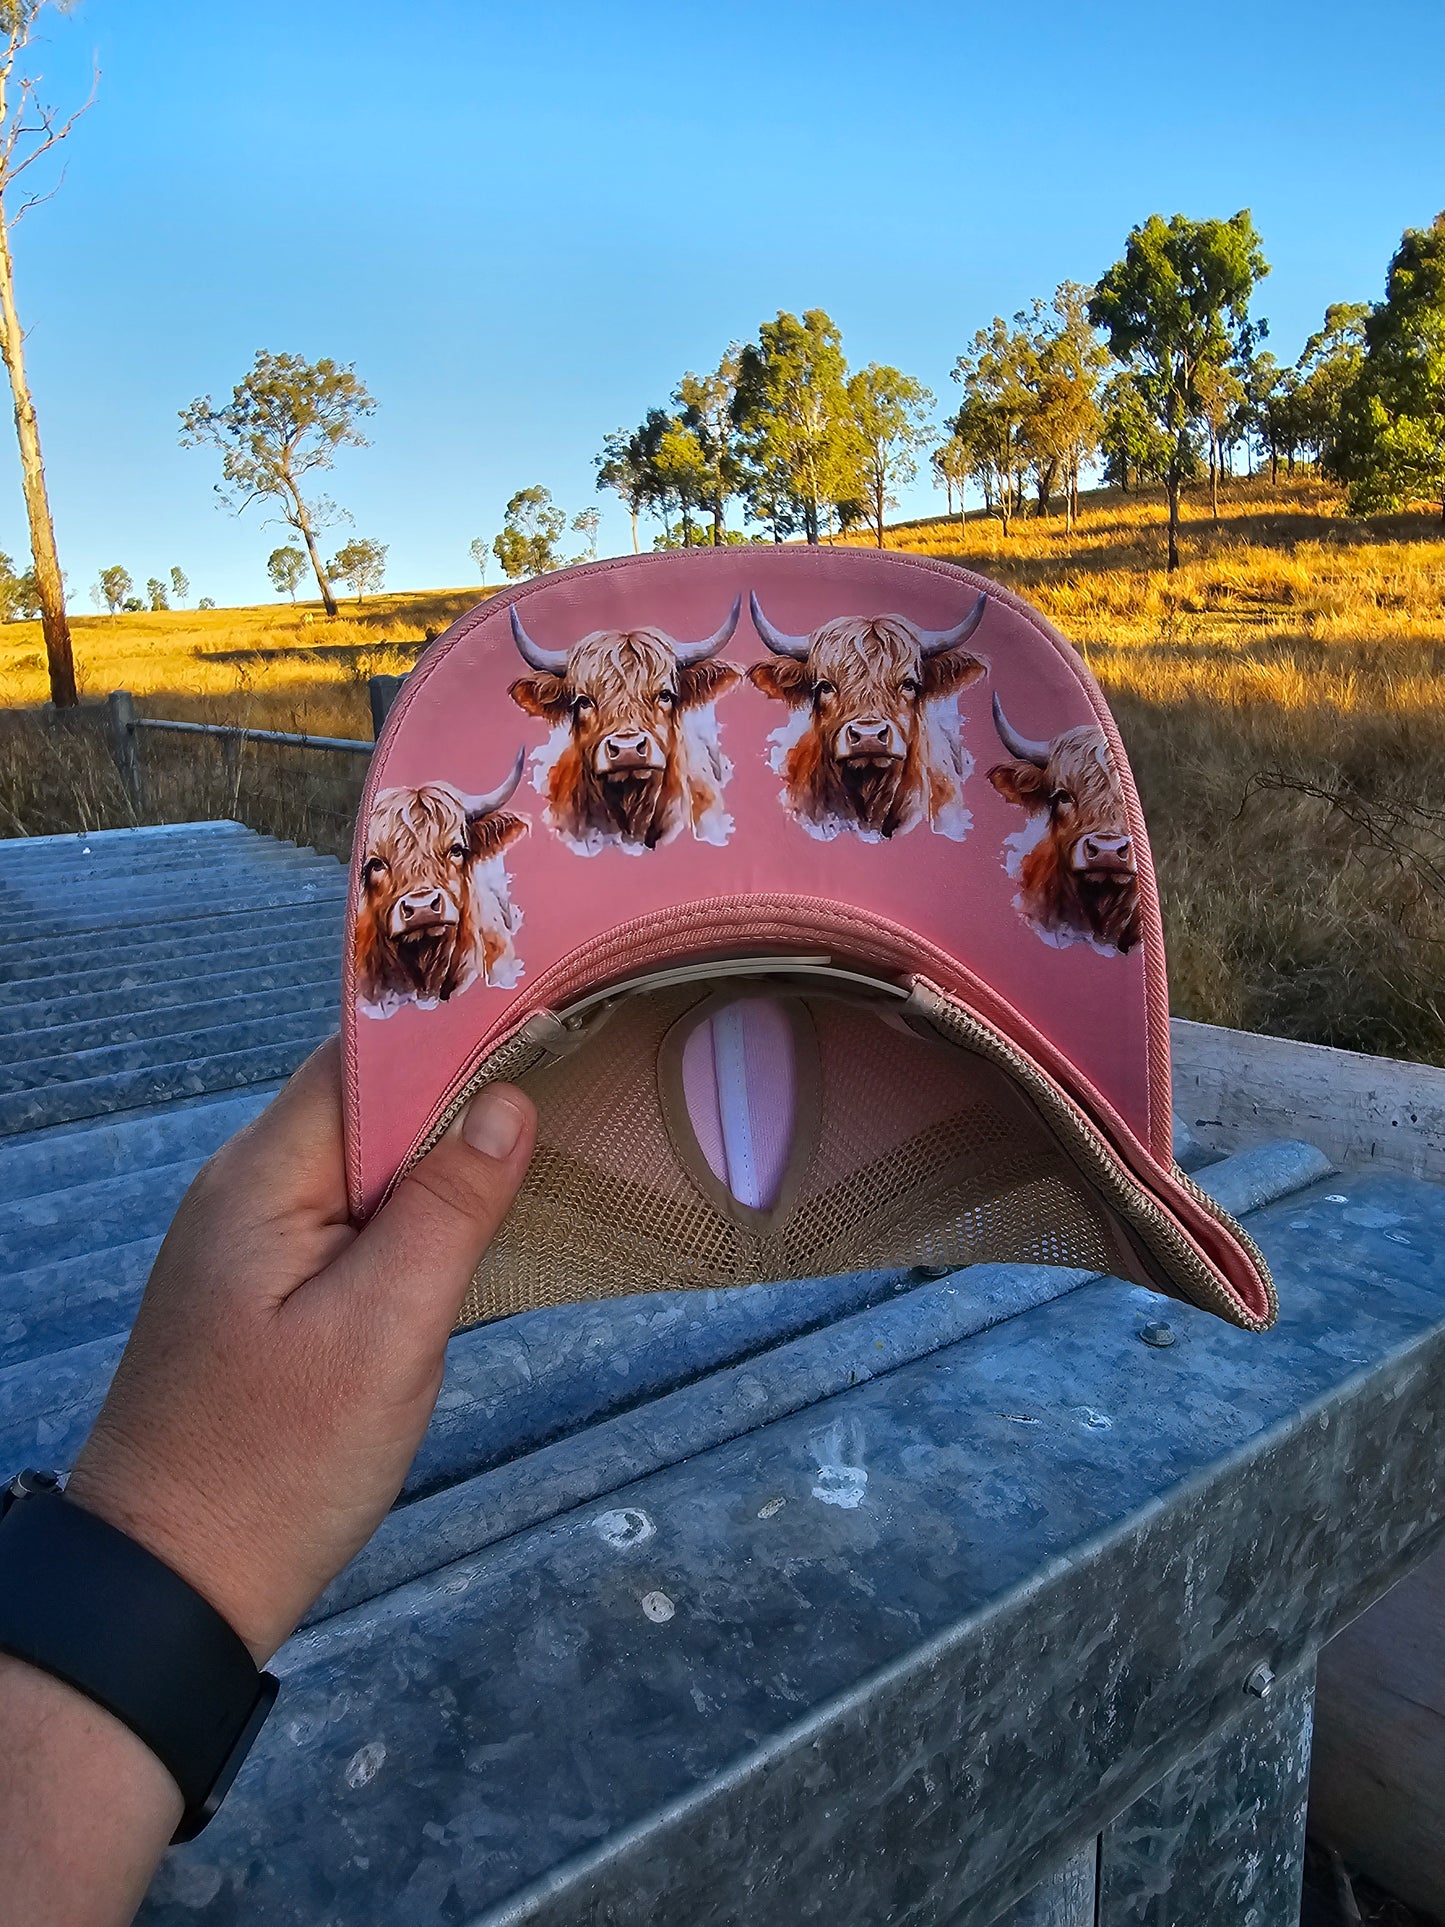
[[419, 1252]]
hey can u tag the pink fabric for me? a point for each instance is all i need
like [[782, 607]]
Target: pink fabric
[[739, 1073], [456, 724]]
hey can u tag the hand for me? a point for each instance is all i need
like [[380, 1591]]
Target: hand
[[284, 1365]]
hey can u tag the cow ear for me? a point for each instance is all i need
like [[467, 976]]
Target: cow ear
[[490, 835], [784, 680], [704, 682], [953, 669], [544, 696], [1021, 783]]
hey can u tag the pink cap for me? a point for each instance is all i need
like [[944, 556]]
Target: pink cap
[[707, 764]]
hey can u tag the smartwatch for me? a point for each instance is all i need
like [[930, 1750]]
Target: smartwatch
[[82, 1601]]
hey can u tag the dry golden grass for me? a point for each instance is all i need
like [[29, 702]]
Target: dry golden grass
[[1283, 699], [281, 667], [1283, 702]]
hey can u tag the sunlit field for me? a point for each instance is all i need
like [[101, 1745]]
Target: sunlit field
[[1282, 697]]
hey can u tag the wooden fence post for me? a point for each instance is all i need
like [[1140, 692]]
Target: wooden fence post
[[384, 692], [231, 764], [120, 722]]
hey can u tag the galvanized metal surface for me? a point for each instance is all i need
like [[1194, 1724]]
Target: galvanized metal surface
[[851, 1600], [148, 966]]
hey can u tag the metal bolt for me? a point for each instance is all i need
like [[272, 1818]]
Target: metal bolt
[[1260, 1682], [935, 1271], [1158, 1335]]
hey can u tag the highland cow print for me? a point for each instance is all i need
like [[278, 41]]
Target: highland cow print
[[872, 747], [434, 913], [1074, 857], [634, 758]]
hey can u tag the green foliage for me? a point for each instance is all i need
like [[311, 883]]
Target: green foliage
[[479, 548], [1391, 442], [1062, 373], [112, 588], [1326, 371], [695, 535], [19, 596], [796, 441], [1271, 407], [586, 523], [206, 602], [1175, 304], [156, 594], [1135, 448], [531, 529], [287, 569], [990, 426], [890, 415], [361, 564], [707, 412], [624, 466], [681, 471], [180, 584], [133, 606]]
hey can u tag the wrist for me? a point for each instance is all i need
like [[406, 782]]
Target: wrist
[[62, 1755], [90, 1605], [171, 1522]]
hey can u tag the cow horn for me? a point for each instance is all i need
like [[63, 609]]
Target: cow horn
[[781, 645], [934, 641], [688, 653], [1016, 745], [552, 661], [479, 806]]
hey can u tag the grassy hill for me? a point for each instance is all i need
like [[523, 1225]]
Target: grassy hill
[[1282, 696]]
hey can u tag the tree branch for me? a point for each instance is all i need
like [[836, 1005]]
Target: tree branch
[[52, 136]]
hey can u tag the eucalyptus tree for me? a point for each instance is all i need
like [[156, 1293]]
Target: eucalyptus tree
[[1391, 448], [797, 441], [287, 569], [706, 402], [30, 129], [1175, 304], [285, 421], [890, 420], [361, 564]]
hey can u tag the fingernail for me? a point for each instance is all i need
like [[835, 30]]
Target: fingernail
[[492, 1124]]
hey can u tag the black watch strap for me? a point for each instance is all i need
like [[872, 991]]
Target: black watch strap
[[84, 1602]]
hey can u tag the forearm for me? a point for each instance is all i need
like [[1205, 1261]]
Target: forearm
[[86, 1809]]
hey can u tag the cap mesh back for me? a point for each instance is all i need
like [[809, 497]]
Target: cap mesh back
[[925, 1155]]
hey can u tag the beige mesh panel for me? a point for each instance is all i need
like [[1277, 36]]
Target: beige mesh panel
[[926, 1155]]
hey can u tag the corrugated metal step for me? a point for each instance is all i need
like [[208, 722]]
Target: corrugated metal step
[[57, 1159], [170, 1020], [304, 1027], [131, 1090], [311, 959]]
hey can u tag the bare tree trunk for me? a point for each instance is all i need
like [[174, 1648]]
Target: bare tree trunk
[[303, 523], [635, 549], [49, 587], [1171, 483], [1214, 484], [948, 491], [878, 505]]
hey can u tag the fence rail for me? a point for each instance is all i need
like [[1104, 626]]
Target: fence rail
[[239, 734], [122, 725]]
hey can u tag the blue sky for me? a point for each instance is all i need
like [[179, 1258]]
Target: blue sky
[[524, 223]]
